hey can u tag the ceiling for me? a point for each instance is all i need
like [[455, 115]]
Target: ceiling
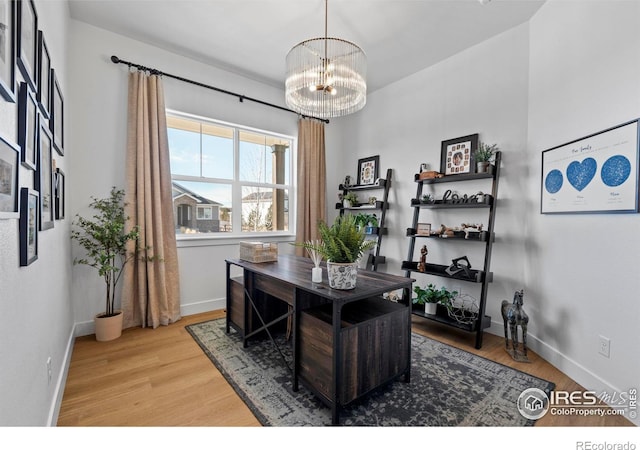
[[253, 37]]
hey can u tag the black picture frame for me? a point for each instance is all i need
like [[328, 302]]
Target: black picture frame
[[56, 121], [9, 173], [8, 50], [368, 169], [29, 205], [44, 178], [44, 76], [60, 193], [458, 155], [27, 38], [28, 126]]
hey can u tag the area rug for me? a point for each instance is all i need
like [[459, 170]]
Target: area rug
[[448, 387]]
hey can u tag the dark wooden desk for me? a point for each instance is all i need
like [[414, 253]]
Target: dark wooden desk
[[345, 343]]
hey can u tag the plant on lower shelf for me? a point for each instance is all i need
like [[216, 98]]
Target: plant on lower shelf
[[366, 220], [431, 294]]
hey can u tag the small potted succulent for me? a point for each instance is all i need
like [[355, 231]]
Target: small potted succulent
[[484, 156]]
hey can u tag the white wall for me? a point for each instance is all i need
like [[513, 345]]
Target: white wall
[[98, 105], [34, 300], [581, 269]]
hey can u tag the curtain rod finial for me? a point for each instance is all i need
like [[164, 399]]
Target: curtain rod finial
[[115, 59]]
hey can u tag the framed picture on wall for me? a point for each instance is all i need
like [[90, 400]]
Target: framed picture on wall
[[60, 194], [56, 122], [44, 76], [457, 155], [9, 162], [7, 50], [29, 204], [368, 170], [594, 174], [27, 37], [44, 179], [27, 126]]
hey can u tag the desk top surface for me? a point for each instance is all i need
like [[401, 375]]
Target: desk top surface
[[296, 270]]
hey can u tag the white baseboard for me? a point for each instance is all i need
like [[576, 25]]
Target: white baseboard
[[61, 382], [580, 374]]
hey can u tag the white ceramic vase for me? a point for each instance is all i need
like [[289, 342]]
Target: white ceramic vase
[[342, 276]]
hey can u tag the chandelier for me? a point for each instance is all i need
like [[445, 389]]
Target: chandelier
[[326, 77]]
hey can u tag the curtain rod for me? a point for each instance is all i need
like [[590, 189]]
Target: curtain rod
[[240, 97]]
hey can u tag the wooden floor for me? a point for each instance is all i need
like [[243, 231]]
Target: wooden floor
[[161, 377]]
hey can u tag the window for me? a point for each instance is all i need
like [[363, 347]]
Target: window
[[228, 180]]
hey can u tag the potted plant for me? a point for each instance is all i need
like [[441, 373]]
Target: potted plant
[[484, 155], [431, 297], [366, 221], [342, 244], [104, 239], [350, 200]]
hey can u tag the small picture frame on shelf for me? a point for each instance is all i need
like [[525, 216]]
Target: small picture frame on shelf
[[29, 201], [368, 170], [423, 229], [457, 155]]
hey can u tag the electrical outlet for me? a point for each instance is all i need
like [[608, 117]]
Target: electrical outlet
[[604, 346], [49, 370]]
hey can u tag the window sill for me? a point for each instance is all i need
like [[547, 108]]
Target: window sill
[[206, 241]]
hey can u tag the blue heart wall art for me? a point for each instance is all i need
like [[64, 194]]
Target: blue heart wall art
[[580, 174]]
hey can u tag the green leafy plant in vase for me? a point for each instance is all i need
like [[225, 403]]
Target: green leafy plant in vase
[[431, 296], [484, 156], [350, 200]]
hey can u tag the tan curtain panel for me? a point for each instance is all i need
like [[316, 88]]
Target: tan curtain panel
[[312, 181], [151, 288]]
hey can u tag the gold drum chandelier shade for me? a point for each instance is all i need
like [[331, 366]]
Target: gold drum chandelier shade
[[326, 77]]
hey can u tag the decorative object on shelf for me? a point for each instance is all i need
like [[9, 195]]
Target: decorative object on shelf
[[423, 167], [342, 246], [459, 265], [472, 230], [368, 170], [427, 198], [431, 297], [326, 77], [484, 156], [104, 239], [458, 155], [350, 200], [373, 200], [464, 309], [423, 229], [364, 220], [9, 172], [429, 174], [347, 181], [513, 316], [597, 173], [422, 265]]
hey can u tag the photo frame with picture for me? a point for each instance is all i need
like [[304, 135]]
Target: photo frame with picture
[[44, 179], [60, 194], [7, 50], [44, 76], [29, 205], [423, 229], [27, 126], [56, 121], [457, 155], [27, 38], [368, 170], [9, 162]]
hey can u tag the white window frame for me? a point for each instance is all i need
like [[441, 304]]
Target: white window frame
[[204, 208], [224, 238]]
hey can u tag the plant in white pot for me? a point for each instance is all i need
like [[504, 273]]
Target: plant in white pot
[[484, 156], [431, 297], [104, 238], [342, 246]]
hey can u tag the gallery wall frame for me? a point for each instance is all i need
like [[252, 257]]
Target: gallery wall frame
[[28, 126], [60, 193], [457, 155], [27, 41], [29, 205], [8, 50], [44, 178], [44, 76], [9, 172], [56, 121], [597, 173], [368, 169]]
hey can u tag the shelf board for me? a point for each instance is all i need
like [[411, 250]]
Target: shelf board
[[382, 183], [481, 237], [477, 276], [375, 231], [439, 204], [379, 205], [441, 316], [454, 178]]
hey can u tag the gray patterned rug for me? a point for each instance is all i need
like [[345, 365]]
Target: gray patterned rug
[[449, 387]]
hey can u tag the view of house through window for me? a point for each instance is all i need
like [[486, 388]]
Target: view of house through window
[[228, 179]]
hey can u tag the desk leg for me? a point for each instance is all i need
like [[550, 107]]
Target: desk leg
[[296, 347], [228, 313], [337, 357], [407, 375]]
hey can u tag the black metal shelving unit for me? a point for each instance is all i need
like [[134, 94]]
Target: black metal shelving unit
[[377, 233], [481, 276]]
